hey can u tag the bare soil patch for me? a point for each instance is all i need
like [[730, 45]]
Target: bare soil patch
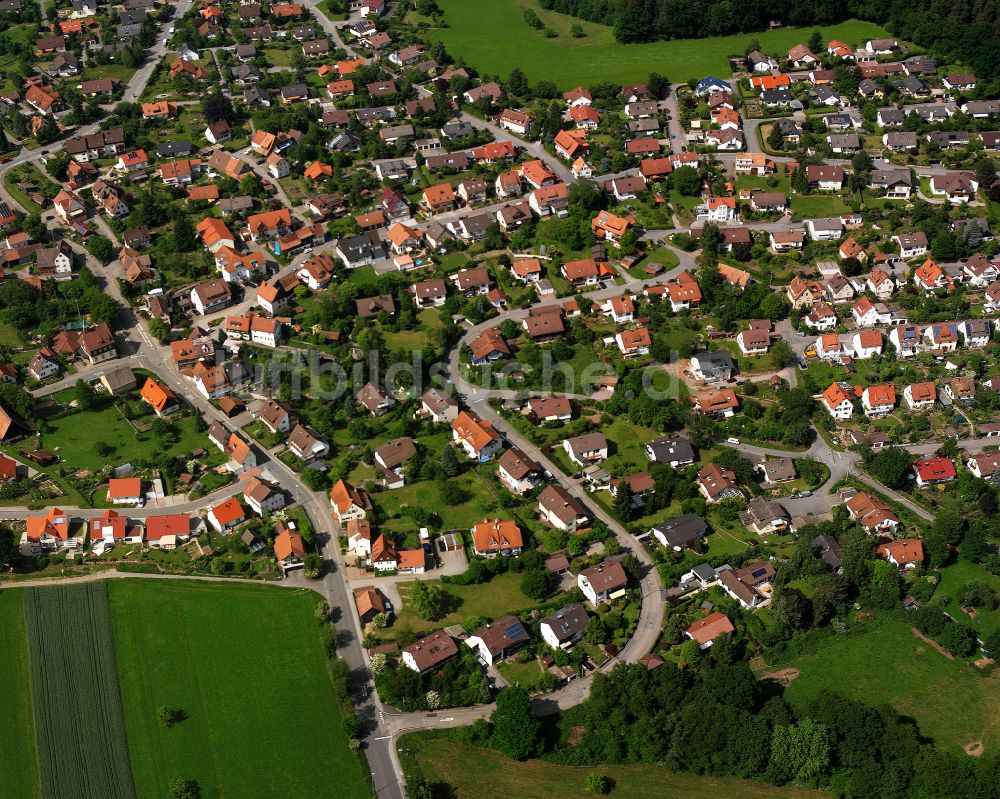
[[783, 676], [973, 748], [932, 643]]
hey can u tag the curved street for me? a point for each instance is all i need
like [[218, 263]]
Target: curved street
[[383, 725]]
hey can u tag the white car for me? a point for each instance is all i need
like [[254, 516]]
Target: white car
[[732, 441]]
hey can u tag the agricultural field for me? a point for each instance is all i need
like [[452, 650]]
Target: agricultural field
[[246, 666], [951, 702], [466, 769], [20, 775], [79, 725], [494, 38], [240, 667]]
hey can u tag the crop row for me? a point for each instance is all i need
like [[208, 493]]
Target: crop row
[[79, 724]]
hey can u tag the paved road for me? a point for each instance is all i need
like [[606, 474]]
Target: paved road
[[381, 724]]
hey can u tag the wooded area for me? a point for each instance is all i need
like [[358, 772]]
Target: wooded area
[[961, 32]]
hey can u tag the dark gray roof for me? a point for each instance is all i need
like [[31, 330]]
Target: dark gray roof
[[683, 530], [169, 149], [567, 623], [669, 450], [827, 550]]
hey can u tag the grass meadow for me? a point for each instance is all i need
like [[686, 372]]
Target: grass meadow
[[242, 665], [467, 769], [246, 666], [492, 36], [951, 702]]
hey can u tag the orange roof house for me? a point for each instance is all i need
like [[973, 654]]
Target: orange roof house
[[734, 276], [54, 524], [765, 82], [159, 110], [493, 537], [477, 436], [226, 514], [439, 196], [350, 67], [267, 221], [214, 232], [182, 67], [263, 142], [569, 143], [287, 10], [929, 276], [288, 545], [610, 226], [585, 116], [158, 396], [349, 502], [317, 170], [124, 488], [905, 553], [537, 174], [708, 628]]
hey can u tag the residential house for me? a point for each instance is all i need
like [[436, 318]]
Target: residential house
[[878, 401], [675, 452], [717, 402], [919, 396], [493, 537], [518, 472], [838, 402], [561, 510], [681, 532], [227, 515], [933, 471], [717, 483], [429, 653], [478, 438], [565, 627], [586, 449], [349, 502], [603, 583], [903, 553]]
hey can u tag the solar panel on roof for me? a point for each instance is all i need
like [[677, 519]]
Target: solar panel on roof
[[759, 572], [514, 630]]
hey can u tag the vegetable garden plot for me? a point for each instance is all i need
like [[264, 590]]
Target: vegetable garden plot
[[79, 725]]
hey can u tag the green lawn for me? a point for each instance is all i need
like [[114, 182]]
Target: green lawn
[[73, 437], [953, 579], [494, 38], [20, 773], [9, 337], [362, 276], [279, 56], [246, 665], [806, 206], [500, 595], [20, 197], [628, 442], [467, 770], [326, 8], [661, 255], [119, 72], [952, 704], [427, 494], [526, 675]]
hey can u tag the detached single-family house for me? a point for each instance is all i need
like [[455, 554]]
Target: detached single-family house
[[603, 583]]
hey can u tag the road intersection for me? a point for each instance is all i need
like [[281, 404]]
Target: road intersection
[[382, 724]]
